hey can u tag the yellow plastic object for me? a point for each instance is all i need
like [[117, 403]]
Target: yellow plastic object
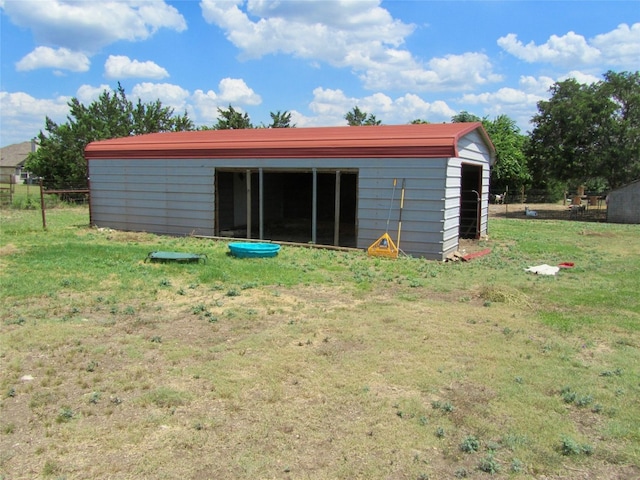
[[383, 247]]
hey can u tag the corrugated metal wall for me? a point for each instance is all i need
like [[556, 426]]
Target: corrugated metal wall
[[177, 196], [473, 151], [157, 196], [624, 204], [422, 222]]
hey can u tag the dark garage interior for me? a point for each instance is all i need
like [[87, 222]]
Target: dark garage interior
[[470, 201], [281, 205]]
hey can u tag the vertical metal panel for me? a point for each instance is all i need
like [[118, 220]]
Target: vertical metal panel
[[336, 210], [314, 208], [624, 204], [261, 202], [249, 203], [423, 205]]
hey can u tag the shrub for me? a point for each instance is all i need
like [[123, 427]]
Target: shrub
[[65, 415], [569, 446], [470, 444], [489, 465]]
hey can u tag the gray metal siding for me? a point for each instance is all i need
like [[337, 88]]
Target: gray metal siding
[[422, 221], [471, 150], [177, 196], [624, 204], [157, 196]]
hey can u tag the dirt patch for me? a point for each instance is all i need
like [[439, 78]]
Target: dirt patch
[[120, 235], [8, 249]]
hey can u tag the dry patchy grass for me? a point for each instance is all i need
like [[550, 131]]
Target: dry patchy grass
[[217, 380]]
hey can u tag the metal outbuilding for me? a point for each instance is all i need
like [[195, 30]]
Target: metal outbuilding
[[327, 185], [623, 204]]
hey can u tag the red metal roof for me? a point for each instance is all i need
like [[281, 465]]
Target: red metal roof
[[389, 141]]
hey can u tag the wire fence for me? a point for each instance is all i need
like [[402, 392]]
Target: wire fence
[[544, 196], [572, 205], [75, 196]]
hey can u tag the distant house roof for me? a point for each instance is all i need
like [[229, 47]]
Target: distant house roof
[[13, 156], [419, 141]]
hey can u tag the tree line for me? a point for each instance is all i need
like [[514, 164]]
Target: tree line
[[583, 135]]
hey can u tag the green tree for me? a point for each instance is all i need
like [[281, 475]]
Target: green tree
[[419, 121], [59, 159], [621, 142], [562, 143], [280, 120], [231, 119], [586, 132], [358, 118], [465, 116], [510, 170]]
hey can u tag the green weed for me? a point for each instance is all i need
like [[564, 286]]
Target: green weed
[[91, 366], [568, 446], [470, 444], [165, 397], [461, 473], [50, 468], [489, 464], [517, 466], [65, 414]]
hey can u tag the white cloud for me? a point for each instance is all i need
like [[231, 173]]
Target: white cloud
[[310, 29], [352, 15], [88, 26], [206, 106], [87, 94], [170, 95], [331, 105], [520, 103], [581, 77], [620, 47], [120, 66], [61, 58], [501, 97], [570, 49], [231, 91], [460, 72], [23, 116], [201, 106], [235, 90], [359, 35], [412, 107], [536, 85]]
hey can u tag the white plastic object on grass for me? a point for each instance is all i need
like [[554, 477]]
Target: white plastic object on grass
[[543, 269]]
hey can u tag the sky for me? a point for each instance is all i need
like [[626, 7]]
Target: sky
[[400, 60]]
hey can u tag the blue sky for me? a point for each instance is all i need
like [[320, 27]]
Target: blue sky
[[399, 60]]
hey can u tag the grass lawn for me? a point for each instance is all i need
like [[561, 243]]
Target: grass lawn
[[317, 363]]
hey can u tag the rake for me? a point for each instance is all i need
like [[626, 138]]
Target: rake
[[384, 246]]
